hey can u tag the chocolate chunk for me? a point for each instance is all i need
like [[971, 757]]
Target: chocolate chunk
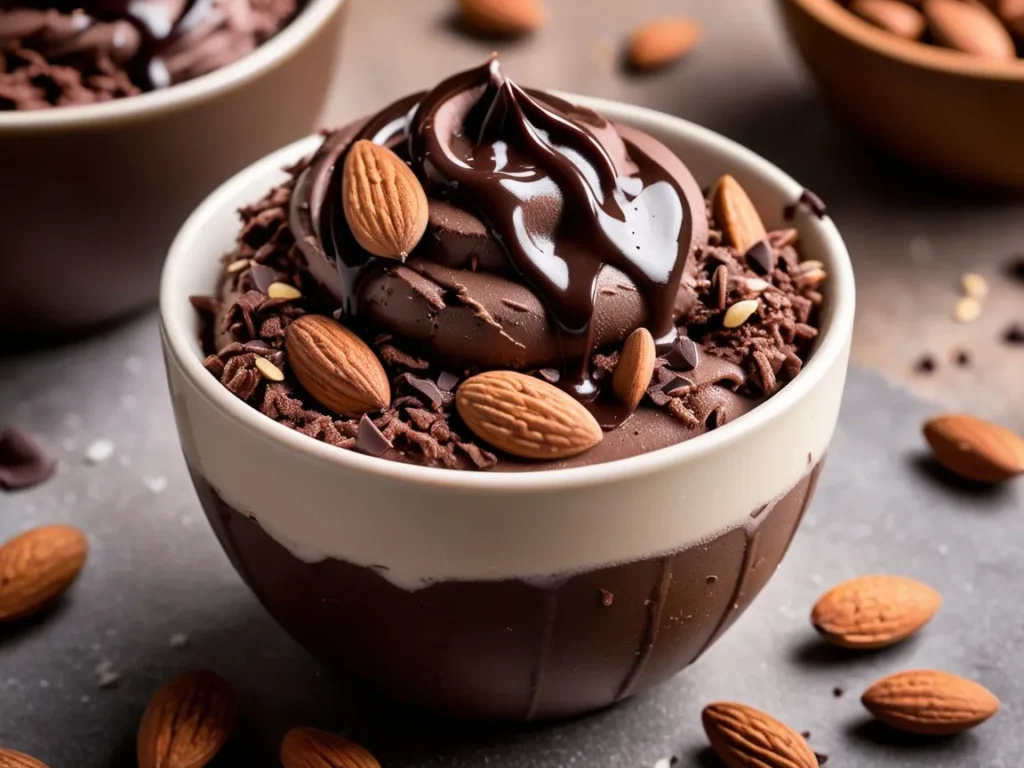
[[1014, 334], [809, 200], [821, 757], [446, 381], [675, 383], [263, 276], [761, 257], [425, 387], [607, 598], [369, 439], [837, 691], [926, 364], [684, 355], [550, 375], [22, 462]]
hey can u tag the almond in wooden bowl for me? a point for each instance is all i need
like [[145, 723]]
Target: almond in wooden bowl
[[952, 112]]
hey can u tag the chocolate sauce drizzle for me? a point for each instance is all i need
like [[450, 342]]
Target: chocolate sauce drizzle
[[537, 176]]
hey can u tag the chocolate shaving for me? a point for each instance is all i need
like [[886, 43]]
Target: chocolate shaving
[[425, 387], [263, 277], [446, 381], [22, 462], [369, 439]]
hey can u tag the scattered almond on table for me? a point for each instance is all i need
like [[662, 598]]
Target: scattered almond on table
[[744, 737], [974, 448], [187, 722], [313, 748], [875, 611], [930, 702], [37, 567], [659, 43], [503, 18], [12, 759]]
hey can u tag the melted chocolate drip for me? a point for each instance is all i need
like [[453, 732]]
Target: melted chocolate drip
[[537, 173]]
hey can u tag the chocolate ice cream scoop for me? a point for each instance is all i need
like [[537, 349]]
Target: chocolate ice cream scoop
[[552, 231]]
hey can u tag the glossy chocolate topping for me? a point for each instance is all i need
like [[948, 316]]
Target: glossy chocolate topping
[[552, 232]]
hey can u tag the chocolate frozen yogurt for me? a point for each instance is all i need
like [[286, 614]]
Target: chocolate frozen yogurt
[[488, 277], [56, 53]]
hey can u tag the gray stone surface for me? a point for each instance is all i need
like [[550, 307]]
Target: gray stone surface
[[156, 572]]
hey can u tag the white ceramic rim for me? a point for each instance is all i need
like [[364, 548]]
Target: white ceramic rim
[[843, 21], [281, 46], [178, 323]]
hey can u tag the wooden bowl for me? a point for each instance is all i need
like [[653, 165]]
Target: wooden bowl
[[955, 113]]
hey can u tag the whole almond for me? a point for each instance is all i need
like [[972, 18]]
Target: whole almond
[[636, 366], [11, 759], [874, 611], [505, 18], [662, 42], [968, 27], [312, 748], [384, 202], [525, 416], [930, 702], [744, 737], [974, 448], [37, 567], [736, 214], [187, 722], [336, 366], [893, 16]]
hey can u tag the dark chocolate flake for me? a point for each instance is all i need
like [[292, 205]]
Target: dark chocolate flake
[[22, 462], [425, 387], [263, 276], [683, 356], [761, 257], [811, 202], [446, 381], [676, 383], [369, 439], [1014, 334]]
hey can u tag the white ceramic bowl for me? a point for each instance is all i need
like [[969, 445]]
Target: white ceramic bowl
[[512, 595], [91, 196]]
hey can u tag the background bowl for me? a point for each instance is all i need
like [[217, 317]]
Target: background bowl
[[534, 595], [91, 196], [957, 114]]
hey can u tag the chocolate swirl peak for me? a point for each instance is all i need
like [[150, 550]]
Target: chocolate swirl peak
[[552, 232]]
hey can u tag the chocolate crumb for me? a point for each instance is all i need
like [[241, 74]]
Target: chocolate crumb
[[811, 202], [926, 364], [837, 691], [761, 257], [962, 358], [446, 381], [805, 734], [607, 598], [369, 439], [683, 356], [22, 462], [821, 757], [1014, 334], [1015, 269], [711, 579]]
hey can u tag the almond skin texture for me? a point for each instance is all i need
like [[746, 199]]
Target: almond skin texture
[[503, 18], [893, 16], [930, 702], [636, 366], [187, 722], [874, 611], [736, 214], [384, 202], [525, 416], [744, 737], [976, 449], [37, 566], [312, 748], [11, 759], [661, 42], [336, 366], [968, 27]]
